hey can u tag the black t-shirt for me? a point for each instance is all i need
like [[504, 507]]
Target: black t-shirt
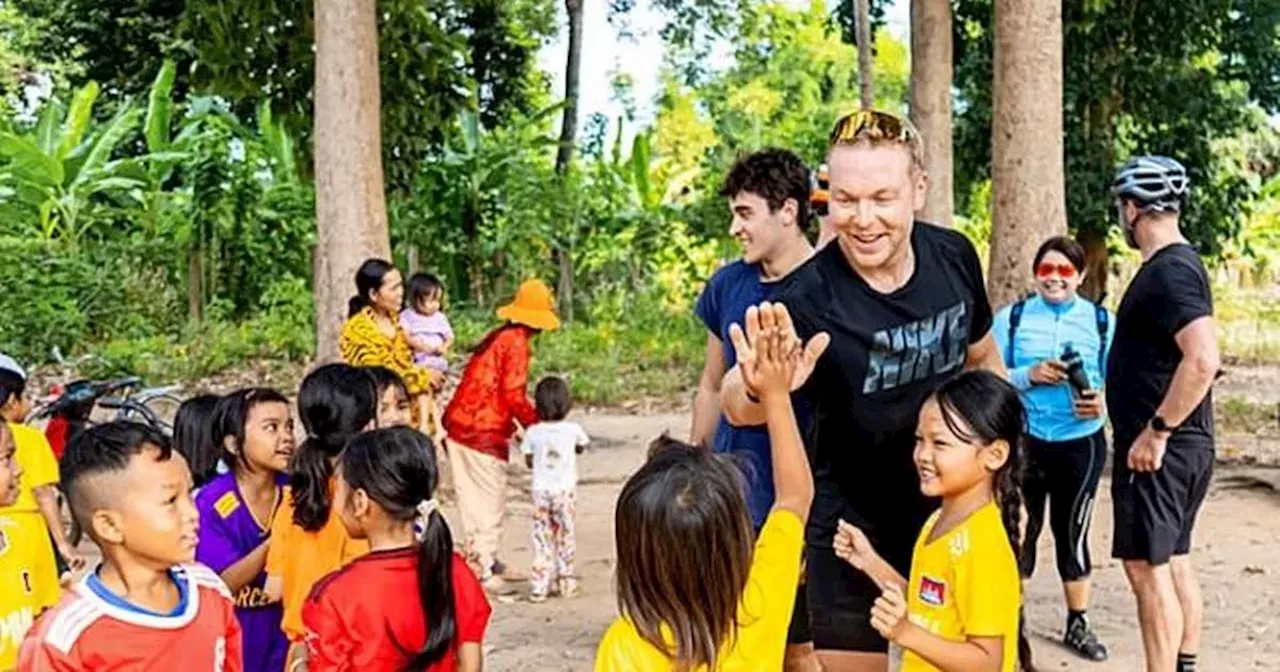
[[888, 352], [1169, 292]]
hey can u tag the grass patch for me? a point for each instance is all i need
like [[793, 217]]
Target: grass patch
[[608, 364], [1236, 415]]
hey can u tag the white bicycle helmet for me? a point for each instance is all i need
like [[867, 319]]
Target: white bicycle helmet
[[1157, 183]]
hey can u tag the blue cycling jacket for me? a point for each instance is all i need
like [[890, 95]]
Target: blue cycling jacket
[[1042, 333]]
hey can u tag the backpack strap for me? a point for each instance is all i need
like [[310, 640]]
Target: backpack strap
[[1015, 318], [1102, 319]]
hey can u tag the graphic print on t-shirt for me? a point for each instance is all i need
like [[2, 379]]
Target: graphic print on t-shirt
[[933, 591], [915, 351]]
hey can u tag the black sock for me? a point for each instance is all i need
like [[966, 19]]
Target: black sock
[[1186, 662], [1073, 616]]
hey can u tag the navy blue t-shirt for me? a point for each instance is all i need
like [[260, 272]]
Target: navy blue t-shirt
[[725, 300]]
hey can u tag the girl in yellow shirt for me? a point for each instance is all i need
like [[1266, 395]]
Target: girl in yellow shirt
[[695, 594], [960, 608]]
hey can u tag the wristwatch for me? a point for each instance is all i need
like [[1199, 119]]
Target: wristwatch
[[1159, 426]]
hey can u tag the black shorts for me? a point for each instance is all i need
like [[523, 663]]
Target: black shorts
[[840, 599], [799, 632], [1155, 512]]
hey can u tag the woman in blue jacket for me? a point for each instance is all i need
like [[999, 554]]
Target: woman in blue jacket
[[1055, 344]]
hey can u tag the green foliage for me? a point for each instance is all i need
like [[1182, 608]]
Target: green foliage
[[61, 298], [653, 351], [1172, 79], [792, 77], [62, 174], [246, 51]]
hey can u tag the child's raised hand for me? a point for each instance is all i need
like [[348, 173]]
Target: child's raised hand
[[889, 613], [749, 341], [774, 365], [852, 546]]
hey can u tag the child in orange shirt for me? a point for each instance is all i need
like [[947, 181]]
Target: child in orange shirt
[[336, 403]]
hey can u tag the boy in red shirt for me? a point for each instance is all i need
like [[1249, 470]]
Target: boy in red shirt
[[147, 606]]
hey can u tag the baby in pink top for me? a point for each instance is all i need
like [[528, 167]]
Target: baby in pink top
[[426, 325]]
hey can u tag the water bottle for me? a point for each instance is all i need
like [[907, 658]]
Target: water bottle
[[1075, 371]]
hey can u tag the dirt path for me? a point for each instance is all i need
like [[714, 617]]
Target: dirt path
[[1237, 552]]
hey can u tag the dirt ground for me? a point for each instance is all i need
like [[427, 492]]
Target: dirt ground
[[1237, 553]]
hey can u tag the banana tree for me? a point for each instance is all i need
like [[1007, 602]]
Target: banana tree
[[60, 168]]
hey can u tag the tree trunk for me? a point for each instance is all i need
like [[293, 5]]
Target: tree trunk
[[931, 73], [351, 212], [1028, 183], [573, 67], [1099, 138], [866, 62], [564, 156], [1094, 286], [194, 275]]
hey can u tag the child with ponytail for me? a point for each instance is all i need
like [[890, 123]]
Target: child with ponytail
[[335, 403], [356, 618], [960, 609]]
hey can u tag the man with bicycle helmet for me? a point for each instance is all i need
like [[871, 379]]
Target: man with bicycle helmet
[[1160, 371]]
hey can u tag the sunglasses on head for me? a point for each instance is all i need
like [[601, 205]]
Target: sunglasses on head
[[872, 125], [1046, 269]]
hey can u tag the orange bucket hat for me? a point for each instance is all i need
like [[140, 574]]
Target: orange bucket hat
[[532, 307]]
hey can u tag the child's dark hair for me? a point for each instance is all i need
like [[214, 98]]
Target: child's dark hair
[[981, 407], [194, 436], [12, 386], [233, 414], [684, 545], [369, 278], [336, 402], [397, 468], [98, 450], [385, 379], [775, 175], [552, 399], [420, 287]]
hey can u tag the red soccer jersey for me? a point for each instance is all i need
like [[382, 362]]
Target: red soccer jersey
[[91, 631], [367, 615]]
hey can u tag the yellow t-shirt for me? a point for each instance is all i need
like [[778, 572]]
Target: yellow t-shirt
[[965, 584], [764, 611], [39, 467], [23, 594], [298, 558]]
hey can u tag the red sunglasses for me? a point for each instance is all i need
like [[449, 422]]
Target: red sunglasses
[[1046, 269]]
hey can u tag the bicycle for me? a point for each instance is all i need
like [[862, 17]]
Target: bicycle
[[69, 410]]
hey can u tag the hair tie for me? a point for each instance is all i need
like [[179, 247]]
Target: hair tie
[[425, 508]]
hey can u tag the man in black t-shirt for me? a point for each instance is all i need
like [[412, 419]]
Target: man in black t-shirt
[[905, 307], [1162, 365]]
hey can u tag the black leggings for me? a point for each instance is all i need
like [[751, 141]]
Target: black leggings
[[1066, 473]]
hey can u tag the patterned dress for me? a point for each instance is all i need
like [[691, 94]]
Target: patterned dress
[[363, 344]]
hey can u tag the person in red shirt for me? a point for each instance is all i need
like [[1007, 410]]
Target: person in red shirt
[[148, 606], [490, 404], [357, 618]]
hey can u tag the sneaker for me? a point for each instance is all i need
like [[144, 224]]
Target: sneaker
[[1081, 639], [537, 598]]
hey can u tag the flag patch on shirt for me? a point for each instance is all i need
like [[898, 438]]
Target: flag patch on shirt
[[226, 504], [932, 591]]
